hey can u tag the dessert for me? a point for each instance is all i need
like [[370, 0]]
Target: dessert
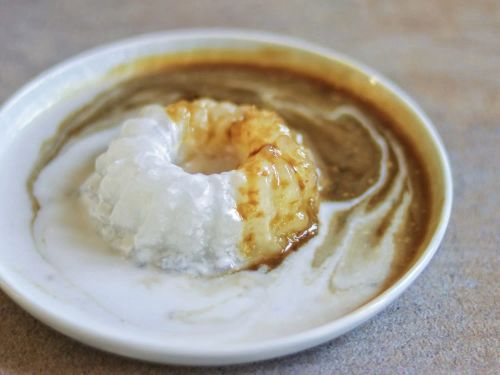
[[373, 201], [204, 187]]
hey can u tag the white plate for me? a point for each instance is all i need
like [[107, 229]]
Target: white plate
[[34, 283]]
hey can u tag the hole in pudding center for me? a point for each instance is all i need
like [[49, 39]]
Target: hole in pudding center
[[202, 161]]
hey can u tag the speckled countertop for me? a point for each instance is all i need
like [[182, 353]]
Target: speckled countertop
[[445, 53]]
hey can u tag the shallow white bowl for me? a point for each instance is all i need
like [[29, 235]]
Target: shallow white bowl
[[58, 309]]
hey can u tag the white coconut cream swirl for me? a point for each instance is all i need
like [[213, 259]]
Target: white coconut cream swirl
[[149, 207]]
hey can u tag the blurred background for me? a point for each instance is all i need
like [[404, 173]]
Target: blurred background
[[445, 54]]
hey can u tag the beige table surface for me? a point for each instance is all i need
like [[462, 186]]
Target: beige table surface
[[445, 53]]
